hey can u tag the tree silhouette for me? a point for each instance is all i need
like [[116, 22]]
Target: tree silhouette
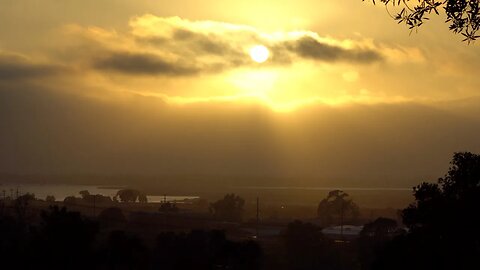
[[380, 228], [308, 249], [50, 199], [304, 242], [124, 251], [373, 238], [168, 207], [112, 216], [204, 251], [131, 195], [84, 193], [337, 208], [63, 241], [70, 200], [443, 222], [142, 198], [463, 16], [67, 240], [21, 205], [13, 242], [230, 208]]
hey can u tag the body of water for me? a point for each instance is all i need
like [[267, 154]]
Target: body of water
[[61, 191], [324, 188]]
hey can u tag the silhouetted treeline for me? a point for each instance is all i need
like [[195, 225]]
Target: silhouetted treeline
[[67, 240], [63, 240], [439, 230], [443, 222], [442, 230], [308, 248], [205, 250]]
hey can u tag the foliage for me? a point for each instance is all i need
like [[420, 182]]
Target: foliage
[[373, 238], [84, 193], [307, 248], [337, 208], [230, 208], [142, 198], [97, 199], [443, 222], [62, 226], [13, 241], [124, 251], [131, 195], [63, 241], [21, 204], [168, 207], [205, 250], [88, 198], [70, 200], [380, 228], [27, 197], [304, 242], [456, 196], [67, 240], [462, 15], [112, 215], [50, 199]]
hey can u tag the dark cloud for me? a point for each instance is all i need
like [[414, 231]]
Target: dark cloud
[[308, 47], [142, 64], [13, 67], [202, 50], [205, 43]]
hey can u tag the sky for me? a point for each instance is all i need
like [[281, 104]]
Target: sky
[[153, 87]]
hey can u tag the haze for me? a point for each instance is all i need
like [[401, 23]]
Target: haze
[[347, 97]]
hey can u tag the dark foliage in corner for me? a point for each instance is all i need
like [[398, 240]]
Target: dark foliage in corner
[[443, 222], [463, 16]]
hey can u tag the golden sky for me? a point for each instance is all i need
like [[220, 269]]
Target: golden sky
[[153, 86]]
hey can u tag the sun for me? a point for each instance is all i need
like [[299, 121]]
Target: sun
[[259, 53]]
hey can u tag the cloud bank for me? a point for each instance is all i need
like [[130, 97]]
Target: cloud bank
[[15, 67], [174, 46]]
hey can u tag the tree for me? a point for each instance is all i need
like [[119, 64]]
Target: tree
[[443, 222], [21, 204], [463, 16], [142, 198], [131, 195], [70, 200], [204, 251], [337, 208], [125, 251], [64, 240], [89, 198], [307, 249], [230, 208], [112, 216], [13, 240], [452, 201], [373, 238], [168, 207], [380, 228], [50, 199], [84, 193], [304, 241]]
